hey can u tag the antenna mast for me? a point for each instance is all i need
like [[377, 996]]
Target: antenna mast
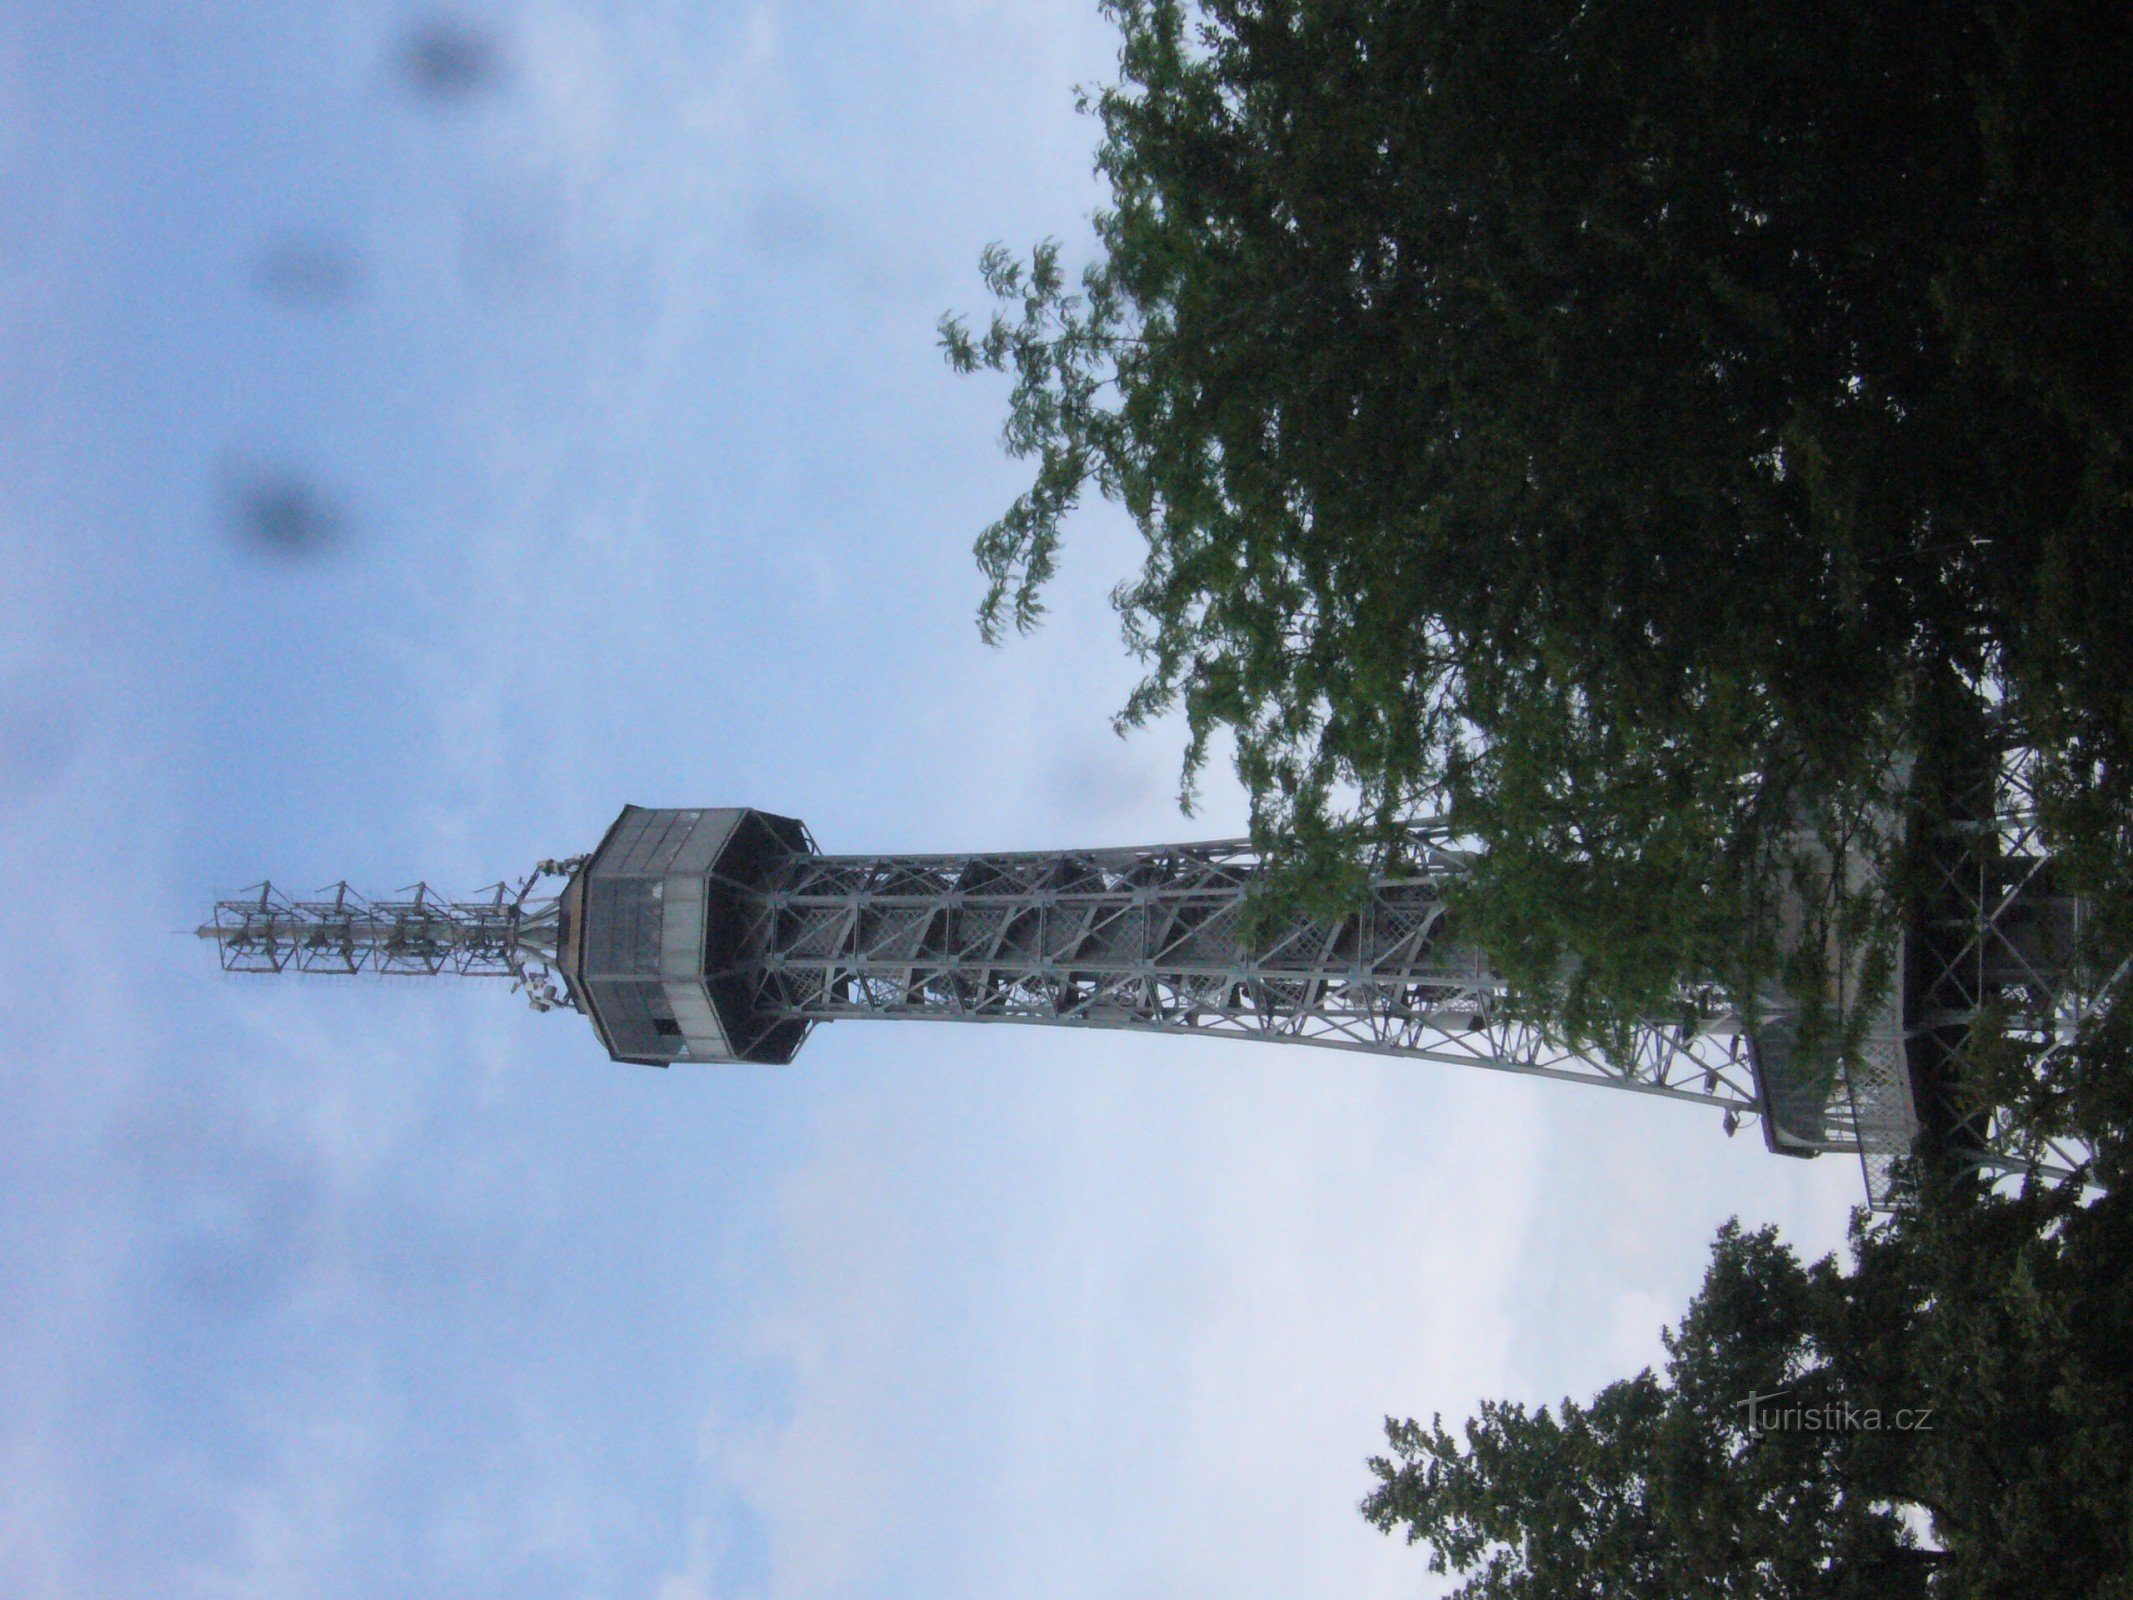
[[510, 933]]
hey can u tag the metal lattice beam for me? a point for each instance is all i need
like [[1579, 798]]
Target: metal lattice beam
[[724, 935], [1997, 952], [508, 934], [1160, 940]]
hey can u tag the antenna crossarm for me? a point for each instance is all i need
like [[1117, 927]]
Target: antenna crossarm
[[510, 932]]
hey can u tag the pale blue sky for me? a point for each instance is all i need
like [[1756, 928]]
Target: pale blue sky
[[607, 380]]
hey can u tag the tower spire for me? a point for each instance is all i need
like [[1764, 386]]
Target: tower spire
[[509, 932]]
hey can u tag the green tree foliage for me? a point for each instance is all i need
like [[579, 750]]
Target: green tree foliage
[[1612, 420], [1999, 1330], [1660, 1487], [2007, 1320]]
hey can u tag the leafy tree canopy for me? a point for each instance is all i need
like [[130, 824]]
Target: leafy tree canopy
[[1972, 1366], [2006, 1320], [1618, 422], [1660, 1486]]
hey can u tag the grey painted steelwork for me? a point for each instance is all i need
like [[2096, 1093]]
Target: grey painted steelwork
[[509, 934], [726, 936], [700, 935], [1995, 943], [651, 921], [1158, 939]]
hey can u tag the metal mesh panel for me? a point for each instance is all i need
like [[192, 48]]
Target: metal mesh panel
[[638, 1020], [622, 926]]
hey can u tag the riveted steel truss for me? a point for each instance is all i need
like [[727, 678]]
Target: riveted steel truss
[[1174, 939], [1999, 968], [1162, 940]]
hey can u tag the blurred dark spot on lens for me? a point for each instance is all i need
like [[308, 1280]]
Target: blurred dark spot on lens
[[310, 271], [446, 59], [284, 515]]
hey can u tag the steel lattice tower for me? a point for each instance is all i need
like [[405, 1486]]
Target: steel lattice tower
[[726, 936]]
